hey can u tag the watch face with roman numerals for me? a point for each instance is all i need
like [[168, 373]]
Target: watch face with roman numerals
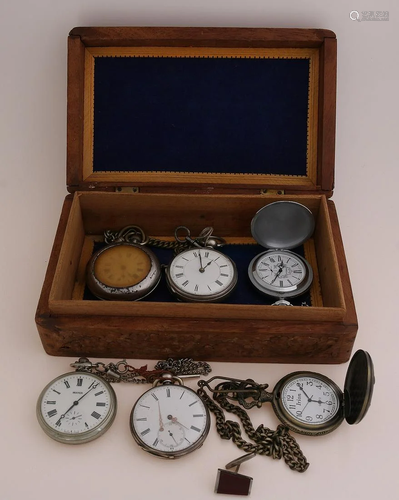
[[76, 407], [280, 273], [201, 275], [169, 421]]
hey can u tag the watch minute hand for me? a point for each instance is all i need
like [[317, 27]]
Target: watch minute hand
[[278, 274], [301, 388], [81, 397], [175, 421], [200, 258]]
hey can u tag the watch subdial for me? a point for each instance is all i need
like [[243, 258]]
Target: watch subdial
[[171, 435], [74, 418]]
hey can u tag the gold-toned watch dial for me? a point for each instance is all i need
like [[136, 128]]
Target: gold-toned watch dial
[[122, 266]]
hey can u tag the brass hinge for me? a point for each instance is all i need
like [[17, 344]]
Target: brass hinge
[[272, 191], [127, 189]]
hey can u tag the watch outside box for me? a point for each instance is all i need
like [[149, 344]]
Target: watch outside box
[[200, 127]]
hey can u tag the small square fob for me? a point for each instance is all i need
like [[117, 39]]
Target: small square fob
[[232, 483]]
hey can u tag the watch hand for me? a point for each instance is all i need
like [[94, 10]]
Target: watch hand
[[172, 436], [209, 263], [81, 397], [175, 421], [309, 401], [161, 425], [202, 269], [301, 388], [278, 273], [75, 403]]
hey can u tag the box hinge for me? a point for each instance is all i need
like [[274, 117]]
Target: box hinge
[[271, 191], [127, 189]]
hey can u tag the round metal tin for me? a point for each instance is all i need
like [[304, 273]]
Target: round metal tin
[[282, 225], [359, 385]]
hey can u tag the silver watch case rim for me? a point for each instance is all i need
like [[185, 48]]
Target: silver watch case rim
[[292, 291], [192, 297], [134, 292], [83, 437], [169, 454], [300, 427]]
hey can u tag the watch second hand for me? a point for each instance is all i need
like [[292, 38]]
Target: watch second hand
[[172, 436], [309, 401]]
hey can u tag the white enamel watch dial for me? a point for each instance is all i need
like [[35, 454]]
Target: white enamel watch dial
[[280, 273], [76, 407], [308, 403], [169, 421], [201, 275]]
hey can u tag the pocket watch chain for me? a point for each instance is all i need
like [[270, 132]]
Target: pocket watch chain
[[277, 444], [134, 234], [121, 371]]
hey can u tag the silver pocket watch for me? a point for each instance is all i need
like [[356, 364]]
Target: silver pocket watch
[[76, 407], [169, 420], [279, 272], [125, 269], [201, 273], [80, 406]]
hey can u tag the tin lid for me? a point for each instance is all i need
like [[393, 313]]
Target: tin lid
[[359, 385], [282, 225]]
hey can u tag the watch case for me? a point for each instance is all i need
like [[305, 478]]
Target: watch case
[[198, 127]]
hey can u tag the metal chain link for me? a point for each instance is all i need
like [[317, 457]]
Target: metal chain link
[[277, 444], [123, 372], [176, 246], [134, 234], [184, 366]]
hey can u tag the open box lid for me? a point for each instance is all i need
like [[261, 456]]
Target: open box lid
[[214, 110]]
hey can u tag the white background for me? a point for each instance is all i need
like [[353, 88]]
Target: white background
[[359, 461]]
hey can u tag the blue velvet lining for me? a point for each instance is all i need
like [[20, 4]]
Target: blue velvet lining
[[217, 115], [244, 293]]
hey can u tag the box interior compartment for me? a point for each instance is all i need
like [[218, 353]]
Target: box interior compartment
[[159, 215]]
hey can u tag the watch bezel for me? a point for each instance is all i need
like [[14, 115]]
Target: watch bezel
[[292, 291], [300, 427], [170, 454], [134, 292], [192, 297], [82, 437]]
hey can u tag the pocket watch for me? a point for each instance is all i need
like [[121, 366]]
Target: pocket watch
[[80, 406], [201, 273], [125, 269], [76, 407], [307, 402], [312, 404], [169, 420], [279, 272]]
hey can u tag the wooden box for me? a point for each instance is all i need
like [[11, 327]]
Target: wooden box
[[120, 172]]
